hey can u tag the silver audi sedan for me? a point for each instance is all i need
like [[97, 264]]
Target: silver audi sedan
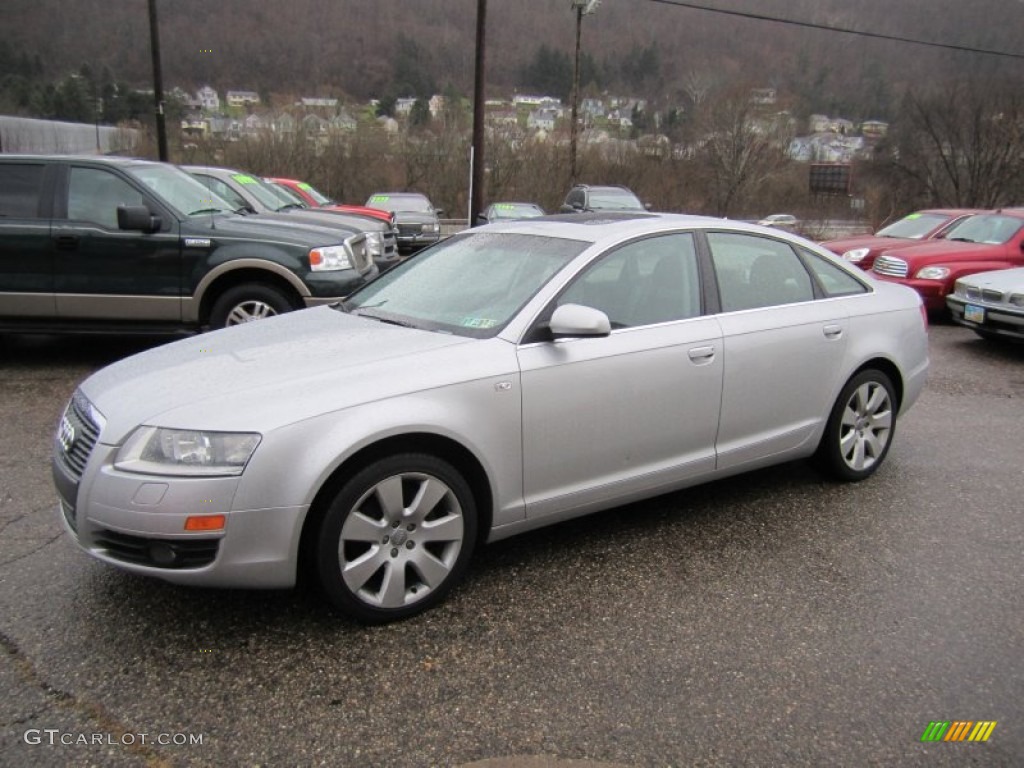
[[510, 377]]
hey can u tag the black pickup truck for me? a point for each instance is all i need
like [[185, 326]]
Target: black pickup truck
[[114, 244]]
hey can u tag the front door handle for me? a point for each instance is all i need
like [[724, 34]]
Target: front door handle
[[832, 331], [702, 354], [67, 242]]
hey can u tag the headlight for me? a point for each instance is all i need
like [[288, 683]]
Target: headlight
[[162, 451], [432, 228], [856, 255], [375, 243], [330, 258], [932, 273]]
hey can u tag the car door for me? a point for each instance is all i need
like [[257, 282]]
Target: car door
[[633, 412], [103, 272], [26, 258], [783, 343]]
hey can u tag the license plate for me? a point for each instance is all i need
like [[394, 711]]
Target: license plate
[[973, 314]]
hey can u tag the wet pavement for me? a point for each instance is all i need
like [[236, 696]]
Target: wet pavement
[[772, 619]]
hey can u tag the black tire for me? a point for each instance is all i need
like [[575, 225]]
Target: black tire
[[860, 427], [249, 301], [990, 336], [379, 558]]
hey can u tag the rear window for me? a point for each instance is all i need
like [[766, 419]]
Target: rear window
[[21, 186]]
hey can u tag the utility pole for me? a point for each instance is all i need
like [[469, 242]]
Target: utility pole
[[158, 83], [582, 8], [477, 156]]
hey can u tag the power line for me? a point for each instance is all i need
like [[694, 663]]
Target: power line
[[844, 30]]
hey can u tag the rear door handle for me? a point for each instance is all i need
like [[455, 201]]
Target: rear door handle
[[702, 354], [832, 331]]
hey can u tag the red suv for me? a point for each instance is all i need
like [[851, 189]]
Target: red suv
[[862, 250], [980, 243]]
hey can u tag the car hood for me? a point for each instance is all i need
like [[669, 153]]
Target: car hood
[[874, 242], [266, 226], [938, 251], [277, 371], [414, 217], [1000, 279]]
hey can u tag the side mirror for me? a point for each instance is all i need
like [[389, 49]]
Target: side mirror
[[648, 206], [137, 218], [573, 320], [566, 208], [439, 212], [480, 219]]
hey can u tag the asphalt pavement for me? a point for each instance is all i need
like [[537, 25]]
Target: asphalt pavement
[[767, 620]]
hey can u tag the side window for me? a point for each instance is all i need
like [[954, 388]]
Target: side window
[[94, 194], [20, 189], [645, 282], [220, 189], [835, 281], [756, 271], [576, 198]]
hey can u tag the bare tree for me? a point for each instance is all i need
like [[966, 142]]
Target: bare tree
[[963, 147], [738, 149]]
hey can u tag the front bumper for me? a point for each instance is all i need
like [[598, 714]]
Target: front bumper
[[992, 318], [137, 523]]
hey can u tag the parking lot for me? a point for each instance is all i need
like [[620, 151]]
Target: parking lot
[[770, 619]]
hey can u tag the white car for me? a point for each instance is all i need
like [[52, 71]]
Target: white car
[[990, 303], [510, 377], [784, 221]]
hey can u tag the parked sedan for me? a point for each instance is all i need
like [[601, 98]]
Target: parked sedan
[[977, 244], [990, 303], [914, 228], [417, 220], [251, 193], [786, 221], [507, 211], [512, 376]]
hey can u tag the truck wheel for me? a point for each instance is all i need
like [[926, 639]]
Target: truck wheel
[[247, 302]]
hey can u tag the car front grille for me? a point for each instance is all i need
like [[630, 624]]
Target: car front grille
[[359, 247], [410, 230], [890, 266], [77, 435], [157, 553], [996, 297]]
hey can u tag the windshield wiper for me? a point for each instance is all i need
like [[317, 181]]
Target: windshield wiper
[[361, 312], [207, 210], [962, 239], [289, 207]]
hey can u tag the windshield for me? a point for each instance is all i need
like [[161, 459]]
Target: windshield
[[185, 194], [515, 211], [394, 203], [615, 200], [471, 284], [991, 229], [320, 198], [264, 193], [913, 227], [285, 195]]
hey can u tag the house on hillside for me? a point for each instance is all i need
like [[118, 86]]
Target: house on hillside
[[208, 99], [242, 98]]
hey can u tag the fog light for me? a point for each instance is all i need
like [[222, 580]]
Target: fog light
[[163, 554]]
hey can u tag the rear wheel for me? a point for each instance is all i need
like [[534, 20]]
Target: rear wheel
[[860, 427], [396, 538], [247, 302]]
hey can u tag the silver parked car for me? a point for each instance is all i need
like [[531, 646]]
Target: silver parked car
[[510, 377], [990, 303]]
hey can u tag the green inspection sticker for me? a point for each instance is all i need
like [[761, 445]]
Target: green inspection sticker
[[305, 186], [477, 322], [380, 198], [913, 216], [241, 178]]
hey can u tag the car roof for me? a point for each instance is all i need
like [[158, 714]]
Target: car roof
[[117, 160], [617, 225]]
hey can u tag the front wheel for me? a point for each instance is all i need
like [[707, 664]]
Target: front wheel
[[396, 538], [860, 427], [247, 302]]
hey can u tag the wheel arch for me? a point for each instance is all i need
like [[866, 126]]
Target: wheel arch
[[890, 369], [217, 282], [436, 445]]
